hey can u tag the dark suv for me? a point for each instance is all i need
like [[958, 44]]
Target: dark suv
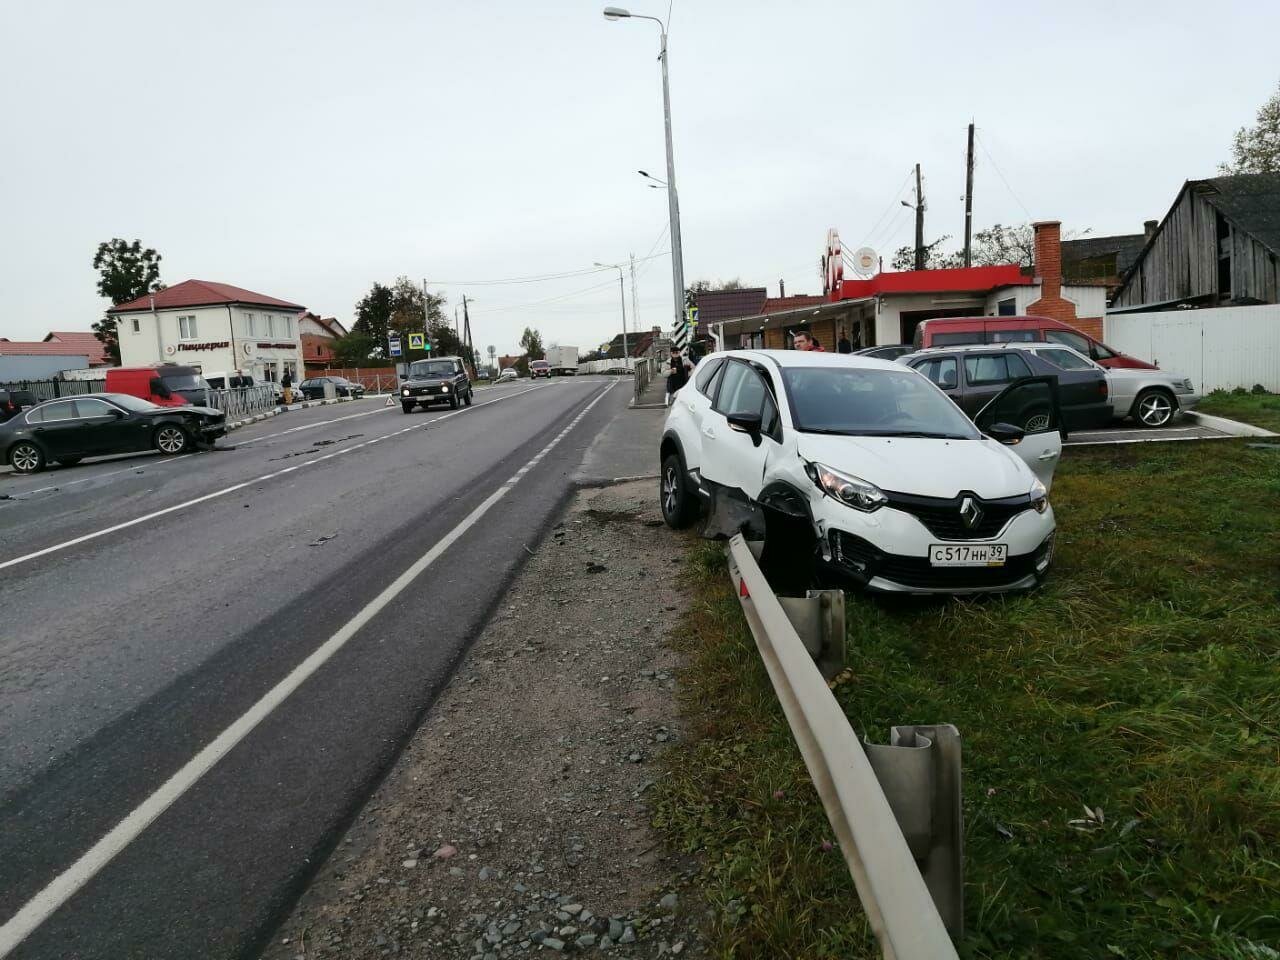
[[13, 402], [438, 380]]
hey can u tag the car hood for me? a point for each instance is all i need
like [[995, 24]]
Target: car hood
[[921, 466], [428, 381]]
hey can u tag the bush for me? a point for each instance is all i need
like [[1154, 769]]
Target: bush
[[1239, 391], [1258, 388]]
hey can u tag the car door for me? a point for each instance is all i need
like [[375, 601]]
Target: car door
[[986, 375], [56, 428], [730, 456], [107, 429], [1031, 405]]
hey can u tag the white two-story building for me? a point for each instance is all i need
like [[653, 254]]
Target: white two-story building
[[221, 329]]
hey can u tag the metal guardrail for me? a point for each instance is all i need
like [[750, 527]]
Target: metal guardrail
[[243, 401], [646, 369], [52, 389], [894, 809]]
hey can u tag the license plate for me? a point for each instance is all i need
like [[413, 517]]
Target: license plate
[[968, 554]]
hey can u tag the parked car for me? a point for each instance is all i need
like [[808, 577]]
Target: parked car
[[165, 385], [508, 375], [954, 331], [890, 351], [540, 368], [863, 468], [438, 380], [221, 380], [313, 388], [98, 424], [972, 375], [1150, 397], [13, 402]]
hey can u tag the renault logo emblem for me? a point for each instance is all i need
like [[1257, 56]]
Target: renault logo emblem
[[970, 512]]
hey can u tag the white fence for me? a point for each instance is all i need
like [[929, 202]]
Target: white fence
[[1219, 349], [608, 366], [244, 401]]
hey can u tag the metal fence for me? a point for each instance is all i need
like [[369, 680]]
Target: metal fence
[[646, 369], [374, 380], [52, 389], [895, 809], [244, 401]]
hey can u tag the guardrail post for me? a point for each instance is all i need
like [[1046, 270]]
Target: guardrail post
[[919, 771], [818, 617]]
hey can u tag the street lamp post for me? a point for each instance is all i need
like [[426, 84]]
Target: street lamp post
[[622, 292], [673, 199]]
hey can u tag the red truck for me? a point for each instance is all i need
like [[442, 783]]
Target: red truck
[[166, 385]]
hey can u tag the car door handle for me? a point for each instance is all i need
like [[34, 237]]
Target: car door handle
[[1048, 455], [708, 431]]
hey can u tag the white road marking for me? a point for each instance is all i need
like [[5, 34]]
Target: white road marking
[[240, 486], [40, 907], [318, 423]]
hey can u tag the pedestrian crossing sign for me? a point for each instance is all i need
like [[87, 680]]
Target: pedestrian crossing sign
[[417, 341]]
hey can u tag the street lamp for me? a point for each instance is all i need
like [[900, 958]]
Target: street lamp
[[673, 199], [623, 297], [655, 183]]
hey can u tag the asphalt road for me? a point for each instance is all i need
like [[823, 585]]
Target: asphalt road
[[216, 684]]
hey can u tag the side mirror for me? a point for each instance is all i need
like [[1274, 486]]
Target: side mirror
[[404, 376], [748, 423], [1006, 433]]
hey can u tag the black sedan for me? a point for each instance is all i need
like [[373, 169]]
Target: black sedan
[[98, 424], [972, 375], [313, 389]]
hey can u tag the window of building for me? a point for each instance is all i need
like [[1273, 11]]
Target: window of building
[[1007, 308], [288, 327], [137, 325], [187, 328], [251, 324]]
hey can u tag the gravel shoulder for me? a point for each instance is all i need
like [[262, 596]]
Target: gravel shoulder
[[516, 822]]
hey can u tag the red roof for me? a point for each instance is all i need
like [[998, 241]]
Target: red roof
[[201, 293], [975, 279], [781, 304], [16, 348], [95, 348], [316, 348]]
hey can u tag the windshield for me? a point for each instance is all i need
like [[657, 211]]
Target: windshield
[[182, 381], [134, 404], [431, 368], [540, 363], [872, 403], [1066, 359]]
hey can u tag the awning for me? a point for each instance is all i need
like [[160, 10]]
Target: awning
[[789, 318]]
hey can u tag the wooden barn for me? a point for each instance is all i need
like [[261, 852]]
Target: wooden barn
[[1219, 245]]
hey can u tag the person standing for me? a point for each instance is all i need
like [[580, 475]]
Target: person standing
[[286, 385], [802, 339], [677, 374], [843, 345]]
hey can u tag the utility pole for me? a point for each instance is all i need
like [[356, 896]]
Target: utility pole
[[919, 222], [466, 321], [968, 202], [635, 309]]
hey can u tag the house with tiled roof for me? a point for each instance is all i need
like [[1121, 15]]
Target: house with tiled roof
[[217, 327], [316, 335], [84, 340]]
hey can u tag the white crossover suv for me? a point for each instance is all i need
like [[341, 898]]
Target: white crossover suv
[[867, 469]]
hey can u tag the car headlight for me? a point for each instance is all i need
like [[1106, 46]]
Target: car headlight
[[405, 391], [853, 491], [444, 389], [1039, 496]]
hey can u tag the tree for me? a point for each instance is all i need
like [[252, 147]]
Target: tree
[[354, 350], [531, 340], [373, 318], [995, 245], [1257, 149], [904, 258], [125, 272], [704, 286]]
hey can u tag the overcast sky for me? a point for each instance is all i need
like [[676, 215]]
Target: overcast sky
[[307, 149]]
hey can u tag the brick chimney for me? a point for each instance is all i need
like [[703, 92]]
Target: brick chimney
[[1048, 267], [1149, 228]]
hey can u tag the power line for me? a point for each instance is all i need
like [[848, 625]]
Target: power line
[[1000, 172], [504, 308], [892, 204]]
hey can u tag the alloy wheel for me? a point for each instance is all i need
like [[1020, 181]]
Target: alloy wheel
[[669, 491], [1037, 422], [1155, 410], [171, 440], [25, 458]]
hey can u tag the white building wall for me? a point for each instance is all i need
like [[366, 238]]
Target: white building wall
[[1219, 349], [1090, 301], [255, 340], [892, 306]]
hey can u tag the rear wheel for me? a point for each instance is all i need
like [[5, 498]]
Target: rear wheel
[[679, 509], [171, 439], [1153, 408], [1037, 421], [26, 457]]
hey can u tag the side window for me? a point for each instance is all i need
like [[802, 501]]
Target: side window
[[941, 370], [1065, 359], [985, 369], [1016, 366], [703, 380], [955, 339], [1002, 335], [769, 418], [35, 415], [90, 407], [59, 411], [742, 391], [1076, 341]]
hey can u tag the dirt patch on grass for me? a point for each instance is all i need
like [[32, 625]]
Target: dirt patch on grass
[[517, 822]]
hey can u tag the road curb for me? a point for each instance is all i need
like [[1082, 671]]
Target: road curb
[[305, 404], [1233, 427]]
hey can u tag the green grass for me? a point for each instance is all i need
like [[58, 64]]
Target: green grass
[[1143, 679], [1260, 409]]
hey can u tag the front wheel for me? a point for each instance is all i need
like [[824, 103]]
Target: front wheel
[[171, 439], [407, 407], [1153, 408], [453, 402], [679, 509], [26, 458], [467, 398]]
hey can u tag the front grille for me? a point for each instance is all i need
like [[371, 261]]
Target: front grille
[[863, 559], [945, 518]]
